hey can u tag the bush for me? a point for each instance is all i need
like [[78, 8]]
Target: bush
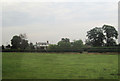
[[52, 50], [90, 49], [102, 49]]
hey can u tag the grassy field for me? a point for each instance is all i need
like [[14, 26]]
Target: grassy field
[[59, 66]]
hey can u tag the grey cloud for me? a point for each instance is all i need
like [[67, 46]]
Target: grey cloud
[[51, 21], [14, 18]]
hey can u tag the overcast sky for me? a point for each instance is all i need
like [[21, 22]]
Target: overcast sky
[[51, 21]]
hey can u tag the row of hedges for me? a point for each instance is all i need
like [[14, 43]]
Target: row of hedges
[[18, 50], [91, 49], [102, 49]]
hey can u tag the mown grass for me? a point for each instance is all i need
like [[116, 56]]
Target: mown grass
[[59, 66]]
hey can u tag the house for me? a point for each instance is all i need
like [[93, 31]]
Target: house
[[42, 45]]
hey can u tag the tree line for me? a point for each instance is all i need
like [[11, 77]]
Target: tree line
[[104, 36]]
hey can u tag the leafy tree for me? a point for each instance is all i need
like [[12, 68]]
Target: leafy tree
[[8, 46], [19, 42], [53, 47], [96, 36], [65, 39], [64, 44], [24, 41], [110, 34], [23, 36], [111, 42], [77, 44], [101, 36], [88, 42], [16, 41], [24, 44], [3, 47], [31, 46]]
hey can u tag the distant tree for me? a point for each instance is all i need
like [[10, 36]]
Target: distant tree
[[64, 44], [24, 44], [110, 34], [16, 42], [52, 47], [8, 46], [96, 37], [65, 40], [19, 42], [88, 42], [24, 41], [23, 36], [77, 44], [31, 46], [3, 47]]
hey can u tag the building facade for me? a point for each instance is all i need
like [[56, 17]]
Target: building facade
[[42, 45]]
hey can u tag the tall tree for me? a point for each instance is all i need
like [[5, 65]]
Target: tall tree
[[23, 36], [77, 44], [24, 41], [53, 47], [64, 43], [31, 46], [88, 42], [110, 34], [65, 40], [3, 47], [24, 44], [96, 36], [8, 46], [19, 42], [16, 41]]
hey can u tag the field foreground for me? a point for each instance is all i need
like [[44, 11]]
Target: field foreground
[[59, 66]]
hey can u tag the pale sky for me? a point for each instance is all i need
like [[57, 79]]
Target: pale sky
[[51, 21]]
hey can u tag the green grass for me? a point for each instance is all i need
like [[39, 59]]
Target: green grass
[[59, 66]]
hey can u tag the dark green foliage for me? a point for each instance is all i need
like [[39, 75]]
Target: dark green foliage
[[33, 50], [110, 42], [16, 41], [103, 49], [110, 31], [8, 46], [91, 49], [31, 46], [77, 44], [88, 42], [64, 44], [65, 39], [102, 36], [3, 47], [110, 35], [95, 37], [24, 41], [19, 42], [24, 44], [52, 47]]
